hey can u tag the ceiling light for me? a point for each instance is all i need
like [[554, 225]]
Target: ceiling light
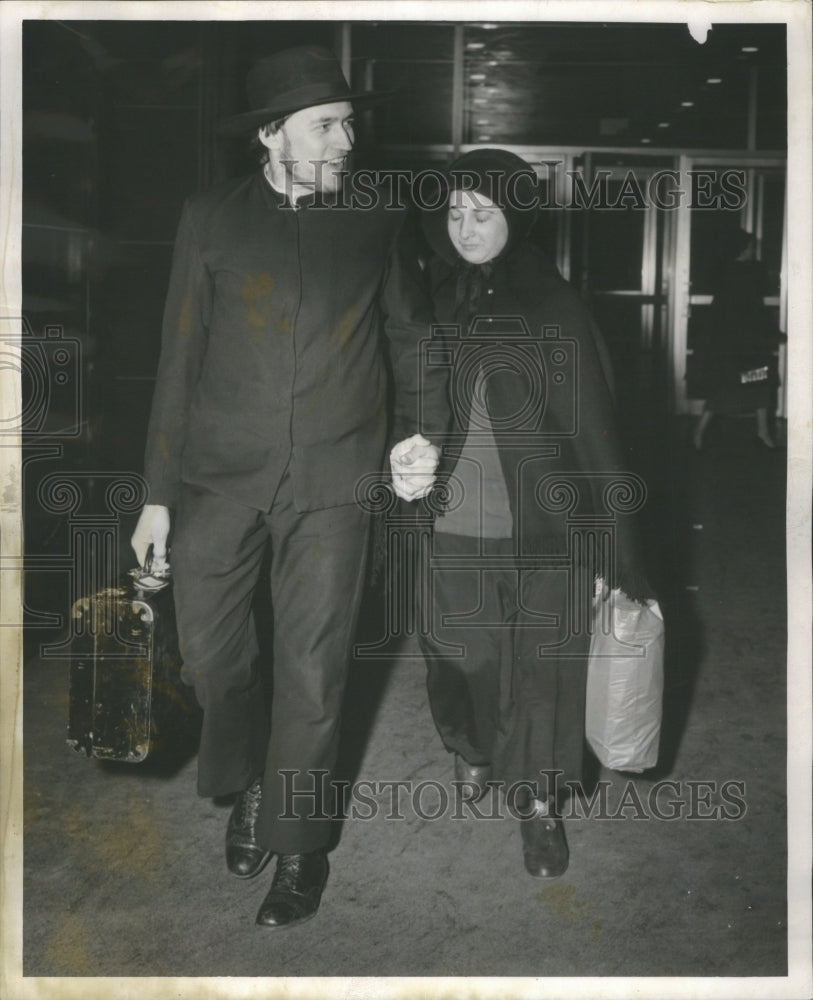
[[687, 104], [483, 138], [663, 124], [475, 45], [477, 76], [714, 79], [749, 48], [482, 121], [645, 141]]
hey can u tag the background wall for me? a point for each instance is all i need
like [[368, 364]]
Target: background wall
[[120, 128]]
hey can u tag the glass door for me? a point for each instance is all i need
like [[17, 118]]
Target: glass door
[[617, 262], [704, 230]]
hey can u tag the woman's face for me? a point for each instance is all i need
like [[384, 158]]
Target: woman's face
[[477, 228]]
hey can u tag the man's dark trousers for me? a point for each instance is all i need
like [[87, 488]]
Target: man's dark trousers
[[317, 572]]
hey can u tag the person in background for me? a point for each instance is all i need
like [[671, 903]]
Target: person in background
[[737, 355]]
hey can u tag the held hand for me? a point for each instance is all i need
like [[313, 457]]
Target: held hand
[[152, 529], [413, 463], [637, 591]]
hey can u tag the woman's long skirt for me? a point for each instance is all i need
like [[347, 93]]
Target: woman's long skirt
[[506, 673]]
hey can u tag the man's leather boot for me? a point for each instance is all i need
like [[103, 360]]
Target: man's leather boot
[[244, 856], [296, 891]]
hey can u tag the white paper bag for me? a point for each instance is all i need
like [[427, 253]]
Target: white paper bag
[[625, 683]]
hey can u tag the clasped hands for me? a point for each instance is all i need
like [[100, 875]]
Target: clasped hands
[[413, 462]]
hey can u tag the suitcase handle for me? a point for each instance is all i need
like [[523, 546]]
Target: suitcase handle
[[149, 579]]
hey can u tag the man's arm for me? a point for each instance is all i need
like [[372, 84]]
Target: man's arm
[[183, 345], [421, 409]]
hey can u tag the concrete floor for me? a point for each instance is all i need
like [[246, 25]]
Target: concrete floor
[[124, 871]]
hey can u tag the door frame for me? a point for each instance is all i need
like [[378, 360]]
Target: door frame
[[677, 264]]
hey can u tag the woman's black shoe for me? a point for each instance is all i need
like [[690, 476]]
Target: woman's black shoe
[[296, 891], [544, 845], [244, 856], [473, 779]]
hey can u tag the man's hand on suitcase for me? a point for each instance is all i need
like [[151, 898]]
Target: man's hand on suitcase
[[152, 530], [413, 463]]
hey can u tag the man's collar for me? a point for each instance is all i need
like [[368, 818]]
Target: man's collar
[[288, 198], [286, 194]]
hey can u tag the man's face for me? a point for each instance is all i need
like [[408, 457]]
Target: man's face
[[313, 145], [477, 228]]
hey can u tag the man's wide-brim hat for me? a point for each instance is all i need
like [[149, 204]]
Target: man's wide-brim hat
[[292, 80]]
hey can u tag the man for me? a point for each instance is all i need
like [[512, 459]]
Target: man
[[269, 408]]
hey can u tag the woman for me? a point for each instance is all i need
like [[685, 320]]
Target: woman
[[737, 357], [514, 551]]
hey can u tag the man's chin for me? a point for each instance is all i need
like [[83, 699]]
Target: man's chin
[[330, 182]]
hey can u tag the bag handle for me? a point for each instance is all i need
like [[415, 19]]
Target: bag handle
[[148, 579]]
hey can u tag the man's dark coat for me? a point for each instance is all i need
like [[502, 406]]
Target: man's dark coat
[[272, 354]]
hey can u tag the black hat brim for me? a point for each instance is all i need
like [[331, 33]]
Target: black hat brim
[[243, 124]]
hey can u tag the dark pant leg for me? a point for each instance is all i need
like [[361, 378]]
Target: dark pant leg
[[317, 572], [216, 555], [468, 645], [545, 732]]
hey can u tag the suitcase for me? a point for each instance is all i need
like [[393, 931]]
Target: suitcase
[[127, 701]]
